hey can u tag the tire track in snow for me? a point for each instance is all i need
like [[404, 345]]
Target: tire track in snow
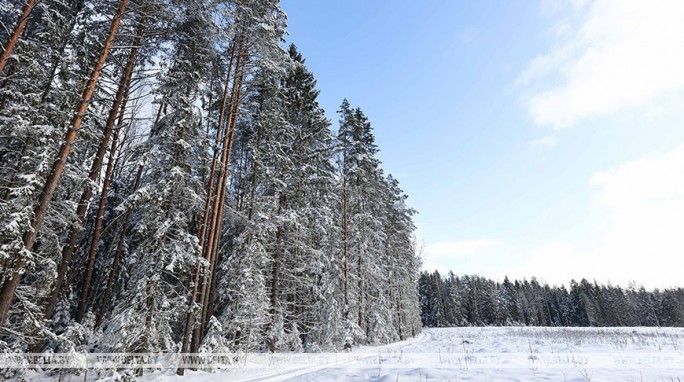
[[366, 352]]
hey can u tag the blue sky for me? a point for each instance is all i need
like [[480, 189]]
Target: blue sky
[[539, 138]]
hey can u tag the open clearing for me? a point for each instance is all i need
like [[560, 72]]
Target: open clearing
[[480, 354]]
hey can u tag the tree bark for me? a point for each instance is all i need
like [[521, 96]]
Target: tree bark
[[209, 300], [92, 250], [10, 286], [122, 100], [117, 255], [361, 291], [122, 239], [345, 224], [209, 282], [95, 168], [189, 320], [219, 130], [277, 258], [12, 42], [218, 202]]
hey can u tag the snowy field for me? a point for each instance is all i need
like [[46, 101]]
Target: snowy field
[[482, 354]]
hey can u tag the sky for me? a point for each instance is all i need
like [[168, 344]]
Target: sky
[[535, 138]]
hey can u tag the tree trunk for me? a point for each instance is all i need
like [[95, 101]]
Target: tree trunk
[[189, 320], [95, 168], [220, 193], [55, 63], [199, 286], [238, 184], [10, 286], [255, 167], [361, 302], [219, 130], [122, 239], [117, 255], [277, 258], [345, 228], [12, 42], [92, 251], [209, 300]]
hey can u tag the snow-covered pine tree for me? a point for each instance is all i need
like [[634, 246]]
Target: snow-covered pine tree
[[170, 198], [252, 251], [110, 128], [402, 263], [298, 176], [311, 200], [13, 37], [257, 31], [134, 128], [39, 100], [285, 149], [366, 223], [231, 207]]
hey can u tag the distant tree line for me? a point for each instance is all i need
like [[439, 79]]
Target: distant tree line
[[474, 300]]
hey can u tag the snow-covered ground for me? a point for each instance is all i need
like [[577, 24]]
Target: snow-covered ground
[[481, 354]]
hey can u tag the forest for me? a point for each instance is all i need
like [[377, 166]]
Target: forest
[[169, 183], [472, 300]]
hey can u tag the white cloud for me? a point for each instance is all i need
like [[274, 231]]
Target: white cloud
[[555, 262], [640, 236], [643, 239], [444, 255], [460, 248], [547, 141], [645, 181], [620, 54]]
